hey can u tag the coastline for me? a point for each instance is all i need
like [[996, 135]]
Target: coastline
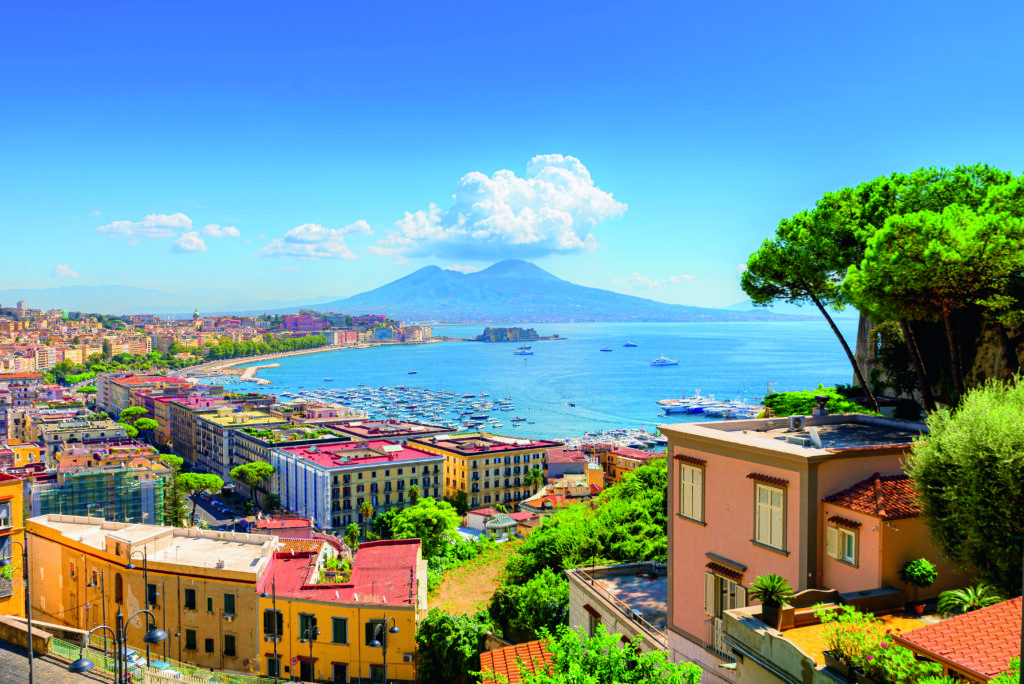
[[228, 366]]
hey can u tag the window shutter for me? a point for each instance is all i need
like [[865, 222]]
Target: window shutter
[[698, 494], [740, 597], [832, 541], [709, 593], [268, 622]]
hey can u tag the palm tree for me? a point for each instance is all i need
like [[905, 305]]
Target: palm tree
[[967, 599], [366, 509], [414, 494], [534, 478]]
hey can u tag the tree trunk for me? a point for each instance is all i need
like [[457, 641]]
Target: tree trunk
[[915, 358], [195, 502], [954, 356], [1009, 350], [849, 353]]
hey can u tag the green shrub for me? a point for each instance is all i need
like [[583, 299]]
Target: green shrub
[[804, 402]]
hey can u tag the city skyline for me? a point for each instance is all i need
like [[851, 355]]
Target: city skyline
[[318, 154]]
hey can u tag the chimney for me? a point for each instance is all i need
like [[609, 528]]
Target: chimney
[[820, 410]]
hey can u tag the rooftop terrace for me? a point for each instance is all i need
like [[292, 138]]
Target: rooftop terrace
[[472, 443], [391, 428], [342, 454], [635, 589]]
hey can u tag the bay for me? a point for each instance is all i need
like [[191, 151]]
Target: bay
[[610, 390]]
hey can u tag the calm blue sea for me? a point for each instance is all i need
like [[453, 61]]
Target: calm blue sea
[[617, 389]]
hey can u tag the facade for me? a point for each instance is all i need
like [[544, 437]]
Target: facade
[[114, 393], [630, 599], [329, 483], [17, 454], [12, 515], [745, 499], [251, 444], [488, 468], [618, 461], [302, 412], [215, 437], [83, 432], [564, 462], [393, 430]]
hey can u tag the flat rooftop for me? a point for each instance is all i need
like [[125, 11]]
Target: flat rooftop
[[473, 443], [189, 547], [358, 454], [282, 434], [640, 588], [836, 433], [392, 428], [243, 418]]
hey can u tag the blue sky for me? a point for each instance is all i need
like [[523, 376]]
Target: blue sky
[[312, 150]]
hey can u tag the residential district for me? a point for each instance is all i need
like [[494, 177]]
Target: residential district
[[277, 565]]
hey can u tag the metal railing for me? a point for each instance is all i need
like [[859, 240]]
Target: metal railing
[[589, 573], [713, 639]]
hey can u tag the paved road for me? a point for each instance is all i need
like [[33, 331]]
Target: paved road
[[14, 669]]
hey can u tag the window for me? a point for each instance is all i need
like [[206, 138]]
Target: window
[[118, 588], [307, 625], [841, 544], [151, 594], [722, 594], [273, 622], [209, 604], [769, 516], [190, 599], [229, 604], [371, 630], [229, 645], [274, 667], [377, 674], [190, 639], [593, 619], [5, 515], [691, 492], [208, 645], [339, 630]]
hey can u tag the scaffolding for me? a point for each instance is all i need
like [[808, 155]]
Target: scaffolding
[[116, 493]]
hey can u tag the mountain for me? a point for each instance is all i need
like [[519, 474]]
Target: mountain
[[124, 299], [517, 291], [794, 309]]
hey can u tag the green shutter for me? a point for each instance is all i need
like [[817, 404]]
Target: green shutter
[[339, 630]]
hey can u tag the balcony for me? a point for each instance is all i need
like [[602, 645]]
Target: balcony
[[6, 587]]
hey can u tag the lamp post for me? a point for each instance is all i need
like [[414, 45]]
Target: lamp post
[[380, 640], [309, 635], [145, 584], [4, 562], [120, 635], [103, 601], [276, 636]]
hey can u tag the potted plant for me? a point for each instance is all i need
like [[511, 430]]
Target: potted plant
[[773, 591], [850, 635], [920, 574], [967, 599]]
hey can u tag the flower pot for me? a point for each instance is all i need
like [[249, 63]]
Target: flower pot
[[771, 615], [917, 607], [861, 678], [833, 663]]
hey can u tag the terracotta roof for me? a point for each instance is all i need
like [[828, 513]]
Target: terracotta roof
[[282, 523], [768, 479], [844, 522], [692, 460], [639, 454], [505, 661], [484, 511], [889, 497], [565, 456], [980, 642], [724, 571]]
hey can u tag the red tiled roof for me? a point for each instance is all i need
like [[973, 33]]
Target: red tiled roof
[[692, 460], [484, 511], [724, 571], [522, 516], [565, 456], [639, 454], [19, 376], [981, 642], [889, 497], [504, 662], [280, 523], [768, 479], [340, 454], [844, 522]]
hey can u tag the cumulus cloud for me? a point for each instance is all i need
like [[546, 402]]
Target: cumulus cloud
[[189, 241], [686, 277], [640, 280], [313, 241], [65, 271], [95, 212], [552, 209], [460, 268], [213, 230], [152, 226]]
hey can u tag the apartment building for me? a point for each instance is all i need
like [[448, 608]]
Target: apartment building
[[215, 436], [251, 444], [617, 461], [329, 483], [393, 430], [12, 515], [488, 468]]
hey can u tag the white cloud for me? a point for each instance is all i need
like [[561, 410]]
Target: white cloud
[[153, 226], [461, 269], [552, 209], [313, 241], [640, 280], [643, 281], [95, 212], [213, 230], [189, 241], [686, 277], [65, 271]]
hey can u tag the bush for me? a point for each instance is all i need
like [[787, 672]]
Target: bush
[[803, 402], [918, 573]]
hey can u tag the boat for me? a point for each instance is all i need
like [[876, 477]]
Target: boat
[[629, 344], [525, 346], [606, 349], [522, 352], [413, 372], [664, 361]]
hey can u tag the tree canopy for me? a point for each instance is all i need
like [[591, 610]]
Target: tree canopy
[[969, 475], [252, 474], [449, 647], [196, 483], [432, 522]]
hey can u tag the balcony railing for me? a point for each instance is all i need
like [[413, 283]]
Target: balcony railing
[[713, 640]]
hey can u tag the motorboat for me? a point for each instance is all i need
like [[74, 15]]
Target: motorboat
[[629, 344], [664, 361], [606, 349]]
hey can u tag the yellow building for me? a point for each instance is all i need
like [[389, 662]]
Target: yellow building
[[12, 588], [17, 454], [219, 591], [490, 469], [621, 460], [388, 581]]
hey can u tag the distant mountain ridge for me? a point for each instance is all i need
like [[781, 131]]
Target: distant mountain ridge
[[514, 291]]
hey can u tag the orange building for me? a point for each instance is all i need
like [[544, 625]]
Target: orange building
[[12, 516]]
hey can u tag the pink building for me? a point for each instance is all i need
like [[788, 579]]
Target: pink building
[[821, 501], [302, 323]]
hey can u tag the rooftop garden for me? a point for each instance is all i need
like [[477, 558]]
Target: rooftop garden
[[289, 435], [335, 571]]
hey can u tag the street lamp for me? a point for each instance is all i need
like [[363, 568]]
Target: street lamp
[[120, 636], [276, 636], [4, 562], [103, 600], [380, 633], [145, 582], [310, 635]]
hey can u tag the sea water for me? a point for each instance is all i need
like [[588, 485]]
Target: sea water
[[569, 386]]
